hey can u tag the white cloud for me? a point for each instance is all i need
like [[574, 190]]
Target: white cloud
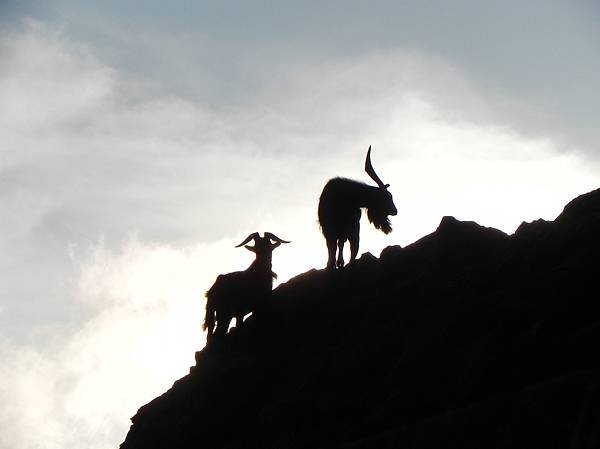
[[484, 173], [46, 86], [145, 306]]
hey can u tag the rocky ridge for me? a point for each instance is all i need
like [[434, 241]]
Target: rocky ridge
[[466, 338]]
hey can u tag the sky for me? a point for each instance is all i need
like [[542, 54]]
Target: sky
[[140, 144]]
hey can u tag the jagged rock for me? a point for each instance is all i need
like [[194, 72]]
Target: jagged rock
[[584, 208], [467, 338]]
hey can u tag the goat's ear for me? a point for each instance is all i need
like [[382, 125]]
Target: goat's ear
[[250, 248]]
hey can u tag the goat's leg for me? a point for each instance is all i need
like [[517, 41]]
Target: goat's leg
[[340, 260], [239, 320], [354, 239], [331, 252], [222, 327]]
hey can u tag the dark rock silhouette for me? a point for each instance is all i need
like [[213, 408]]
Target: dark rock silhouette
[[468, 338], [241, 292], [340, 207]]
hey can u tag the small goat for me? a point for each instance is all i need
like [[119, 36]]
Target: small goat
[[340, 210], [239, 293]]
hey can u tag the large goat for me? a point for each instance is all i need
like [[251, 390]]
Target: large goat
[[340, 207], [239, 293]]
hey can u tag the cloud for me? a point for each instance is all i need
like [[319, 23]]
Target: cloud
[[80, 387], [73, 88], [534, 63]]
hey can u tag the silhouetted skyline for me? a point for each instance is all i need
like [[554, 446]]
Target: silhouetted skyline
[[138, 143]]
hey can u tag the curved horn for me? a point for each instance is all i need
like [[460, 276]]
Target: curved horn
[[275, 238], [253, 236], [371, 172]]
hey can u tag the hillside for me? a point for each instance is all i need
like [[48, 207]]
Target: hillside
[[468, 338]]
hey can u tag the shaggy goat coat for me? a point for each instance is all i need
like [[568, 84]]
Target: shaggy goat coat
[[340, 207]]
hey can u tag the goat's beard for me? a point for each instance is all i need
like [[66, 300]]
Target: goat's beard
[[380, 221]]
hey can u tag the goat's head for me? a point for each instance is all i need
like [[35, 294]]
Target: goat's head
[[383, 203], [262, 245]]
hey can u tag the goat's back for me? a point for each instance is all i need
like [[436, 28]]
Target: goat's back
[[339, 205], [239, 291]]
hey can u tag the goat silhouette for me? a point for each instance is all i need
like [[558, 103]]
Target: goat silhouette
[[340, 207], [239, 293]]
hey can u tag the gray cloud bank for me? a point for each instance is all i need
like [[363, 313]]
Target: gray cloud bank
[[535, 62]]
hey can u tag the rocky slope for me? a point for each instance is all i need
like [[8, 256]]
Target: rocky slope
[[468, 338]]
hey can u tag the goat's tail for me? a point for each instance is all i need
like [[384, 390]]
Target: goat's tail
[[209, 318]]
